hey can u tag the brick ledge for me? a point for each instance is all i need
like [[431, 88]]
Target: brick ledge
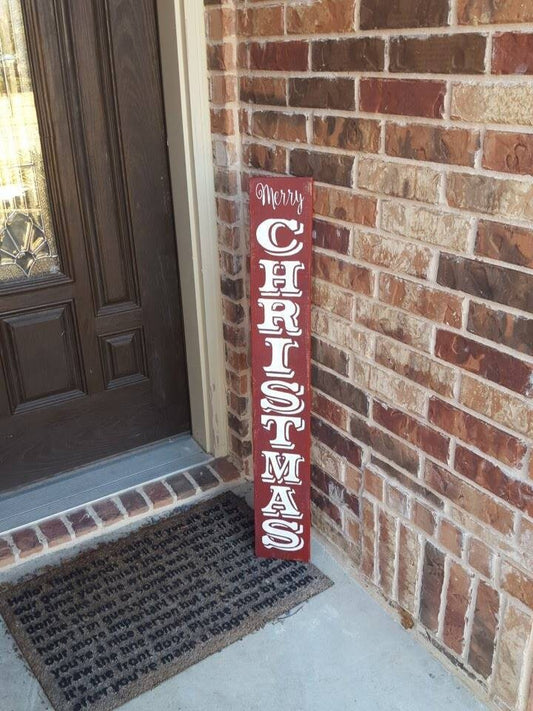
[[66, 529]]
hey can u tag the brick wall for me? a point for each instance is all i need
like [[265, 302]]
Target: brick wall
[[415, 118]]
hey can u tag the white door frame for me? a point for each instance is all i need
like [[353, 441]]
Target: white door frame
[[186, 92]]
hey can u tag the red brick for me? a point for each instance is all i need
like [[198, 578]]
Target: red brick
[[416, 298], [261, 21], [445, 54], [345, 274], [332, 300], [333, 237], [158, 494], [432, 582], [508, 152], [408, 554], [423, 517], [386, 552], [82, 522], [412, 485], [373, 484], [487, 362], [355, 54], [222, 121], [7, 556], [483, 638], [333, 439], [330, 356], [390, 447], [494, 442], [344, 205], [505, 242], [451, 537], [396, 500], [279, 126], [331, 510], [384, 14], [411, 430], [515, 492], [220, 57], [457, 599], [487, 11], [512, 53], [512, 331], [321, 17], [517, 583], [134, 503], [279, 56], [204, 477], [226, 470], [264, 90], [339, 389], [456, 146], [323, 167], [322, 93], [487, 281], [406, 97], [329, 410], [55, 532], [368, 537], [480, 557], [272, 159], [350, 133], [107, 511], [483, 506]]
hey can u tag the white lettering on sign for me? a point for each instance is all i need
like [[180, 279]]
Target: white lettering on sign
[[281, 401], [277, 198]]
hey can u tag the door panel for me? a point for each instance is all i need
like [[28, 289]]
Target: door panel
[[91, 336]]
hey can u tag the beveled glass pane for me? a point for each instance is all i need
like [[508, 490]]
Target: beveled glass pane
[[28, 248]]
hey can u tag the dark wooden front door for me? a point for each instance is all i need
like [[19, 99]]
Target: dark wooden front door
[[91, 341]]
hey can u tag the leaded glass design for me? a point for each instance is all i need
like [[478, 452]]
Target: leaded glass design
[[28, 247]]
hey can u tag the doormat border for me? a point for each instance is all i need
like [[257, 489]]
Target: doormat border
[[138, 687]]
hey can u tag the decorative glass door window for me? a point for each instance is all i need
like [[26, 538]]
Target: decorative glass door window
[[28, 248]]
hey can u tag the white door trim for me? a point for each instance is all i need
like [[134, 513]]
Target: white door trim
[[186, 92]]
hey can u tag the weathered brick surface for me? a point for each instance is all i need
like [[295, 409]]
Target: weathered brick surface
[[447, 54], [322, 93], [432, 582], [470, 429], [406, 97], [351, 134], [382, 14], [506, 243], [457, 599], [323, 167], [487, 362], [354, 54], [455, 146], [483, 639], [508, 152], [55, 532], [486, 11], [418, 135]]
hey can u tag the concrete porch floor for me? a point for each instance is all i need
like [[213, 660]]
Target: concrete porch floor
[[340, 651]]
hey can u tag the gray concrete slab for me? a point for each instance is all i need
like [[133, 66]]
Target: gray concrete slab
[[340, 651]]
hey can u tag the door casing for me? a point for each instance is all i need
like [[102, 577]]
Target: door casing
[[184, 65]]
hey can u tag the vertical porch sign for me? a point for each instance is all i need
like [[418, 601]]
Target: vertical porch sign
[[281, 212]]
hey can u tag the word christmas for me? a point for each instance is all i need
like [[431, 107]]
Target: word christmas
[[280, 306]]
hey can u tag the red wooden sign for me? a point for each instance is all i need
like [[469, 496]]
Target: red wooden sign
[[281, 212]]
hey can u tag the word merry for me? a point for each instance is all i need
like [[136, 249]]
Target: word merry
[[279, 198]]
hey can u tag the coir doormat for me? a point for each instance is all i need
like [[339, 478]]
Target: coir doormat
[[115, 621]]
